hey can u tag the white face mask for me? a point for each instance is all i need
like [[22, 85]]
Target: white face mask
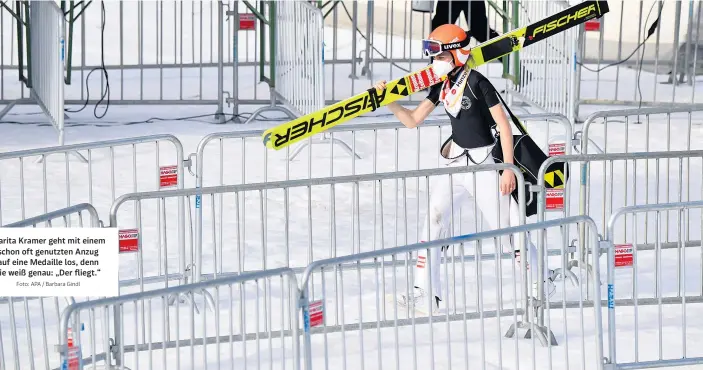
[[441, 67]]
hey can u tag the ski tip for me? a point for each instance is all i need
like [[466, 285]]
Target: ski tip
[[602, 8], [267, 140]]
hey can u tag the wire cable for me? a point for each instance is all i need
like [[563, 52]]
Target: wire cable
[[650, 32]]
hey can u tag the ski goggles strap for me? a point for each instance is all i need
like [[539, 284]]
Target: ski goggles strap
[[433, 48]]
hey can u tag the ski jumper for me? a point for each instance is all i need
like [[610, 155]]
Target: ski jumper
[[470, 144]]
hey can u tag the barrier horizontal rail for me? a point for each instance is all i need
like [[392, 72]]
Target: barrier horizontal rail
[[94, 220], [630, 271], [659, 123], [214, 164], [169, 340], [94, 182], [361, 319]]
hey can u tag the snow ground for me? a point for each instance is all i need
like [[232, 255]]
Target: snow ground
[[313, 242]]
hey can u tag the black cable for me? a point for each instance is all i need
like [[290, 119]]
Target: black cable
[[105, 93], [150, 120], [649, 34], [153, 119]]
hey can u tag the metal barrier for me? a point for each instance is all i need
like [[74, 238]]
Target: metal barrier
[[111, 165], [543, 75], [637, 279], [225, 242], [355, 300], [620, 180], [168, 339], [300, 82], [637, 75], [106, 175], [375, 147], [47, 67], [663, 129], [34, 330]]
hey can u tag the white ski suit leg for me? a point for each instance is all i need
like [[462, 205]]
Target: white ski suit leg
[[498, 210]]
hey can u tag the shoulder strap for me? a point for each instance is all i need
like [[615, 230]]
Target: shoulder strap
[[515, 120], [472, 83]]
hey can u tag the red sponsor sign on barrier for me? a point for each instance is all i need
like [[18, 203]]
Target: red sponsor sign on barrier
[[247, 22], [129, 240], [593, 25], [623, 255], [168, 176], [317, 313], [555, 199], [557, 149]]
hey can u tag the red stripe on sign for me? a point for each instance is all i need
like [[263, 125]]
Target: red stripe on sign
[[555, 199], [624, 255], [315, 307], [168, 176], [317, 313], [557, 149], [128, 240], [593, 25], [420, 262], [247, 22]]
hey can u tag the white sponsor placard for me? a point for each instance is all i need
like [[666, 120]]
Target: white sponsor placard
[[59, 262]]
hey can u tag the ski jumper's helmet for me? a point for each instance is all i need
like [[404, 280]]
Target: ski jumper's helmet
[[451, 38]]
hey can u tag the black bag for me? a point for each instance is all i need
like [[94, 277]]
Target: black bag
[[528, 157]]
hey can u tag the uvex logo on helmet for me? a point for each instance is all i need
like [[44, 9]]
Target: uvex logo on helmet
[[452, 37]]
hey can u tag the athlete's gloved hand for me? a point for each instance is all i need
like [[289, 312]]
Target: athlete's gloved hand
[[373, 93], [507, 182], [380, 85]]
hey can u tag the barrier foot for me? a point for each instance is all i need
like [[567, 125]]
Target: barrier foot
[[583, 266], [541, 332], [209, 301], [190, 298], [7, 109], [183, 298], [271, 108], [323, 140], [220, 117], [567, 275], [74, 153]]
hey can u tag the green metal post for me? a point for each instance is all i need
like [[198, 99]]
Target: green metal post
[[272, 42], [28, 80], [262, 43], [516, 24]]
